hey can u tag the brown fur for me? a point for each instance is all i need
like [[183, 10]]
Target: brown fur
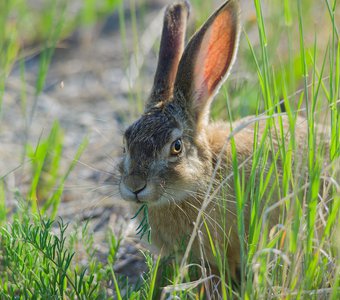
[[174, 187]]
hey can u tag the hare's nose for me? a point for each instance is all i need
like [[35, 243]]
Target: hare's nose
[[139, 188], [135, 184]]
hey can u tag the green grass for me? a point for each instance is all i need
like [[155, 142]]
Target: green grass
[[283, 57]]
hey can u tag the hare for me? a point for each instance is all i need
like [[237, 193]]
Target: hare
[[172, 152]]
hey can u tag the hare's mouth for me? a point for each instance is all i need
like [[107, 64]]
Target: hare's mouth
[[151, 195], [144, 194]]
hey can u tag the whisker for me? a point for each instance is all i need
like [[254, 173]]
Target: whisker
[[93, 168], [93, 188], [209, 219], [197, 194], [96, 202], [176, 204]]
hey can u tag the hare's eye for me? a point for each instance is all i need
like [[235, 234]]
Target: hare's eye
[[176, 147]]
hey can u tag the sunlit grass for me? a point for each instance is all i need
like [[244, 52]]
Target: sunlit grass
[[282, 59], [290, 260]]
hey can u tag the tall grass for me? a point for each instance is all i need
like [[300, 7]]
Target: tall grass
[[288, 63], [298, 258]]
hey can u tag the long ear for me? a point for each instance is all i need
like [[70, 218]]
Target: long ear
[[207, 61], [171, 49]]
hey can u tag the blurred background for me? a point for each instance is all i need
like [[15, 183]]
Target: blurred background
[[74, 74]]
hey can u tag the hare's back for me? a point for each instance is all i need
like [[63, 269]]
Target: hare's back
[[243, 131]]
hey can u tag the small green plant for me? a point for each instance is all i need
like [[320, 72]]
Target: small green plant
[[144, 226], [47, 183], [45, 160], [37, 264], [37, 261], [3, 212]]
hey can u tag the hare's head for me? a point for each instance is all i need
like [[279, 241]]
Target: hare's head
[[167, 154]]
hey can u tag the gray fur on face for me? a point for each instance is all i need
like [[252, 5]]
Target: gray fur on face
[[148, 135]]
